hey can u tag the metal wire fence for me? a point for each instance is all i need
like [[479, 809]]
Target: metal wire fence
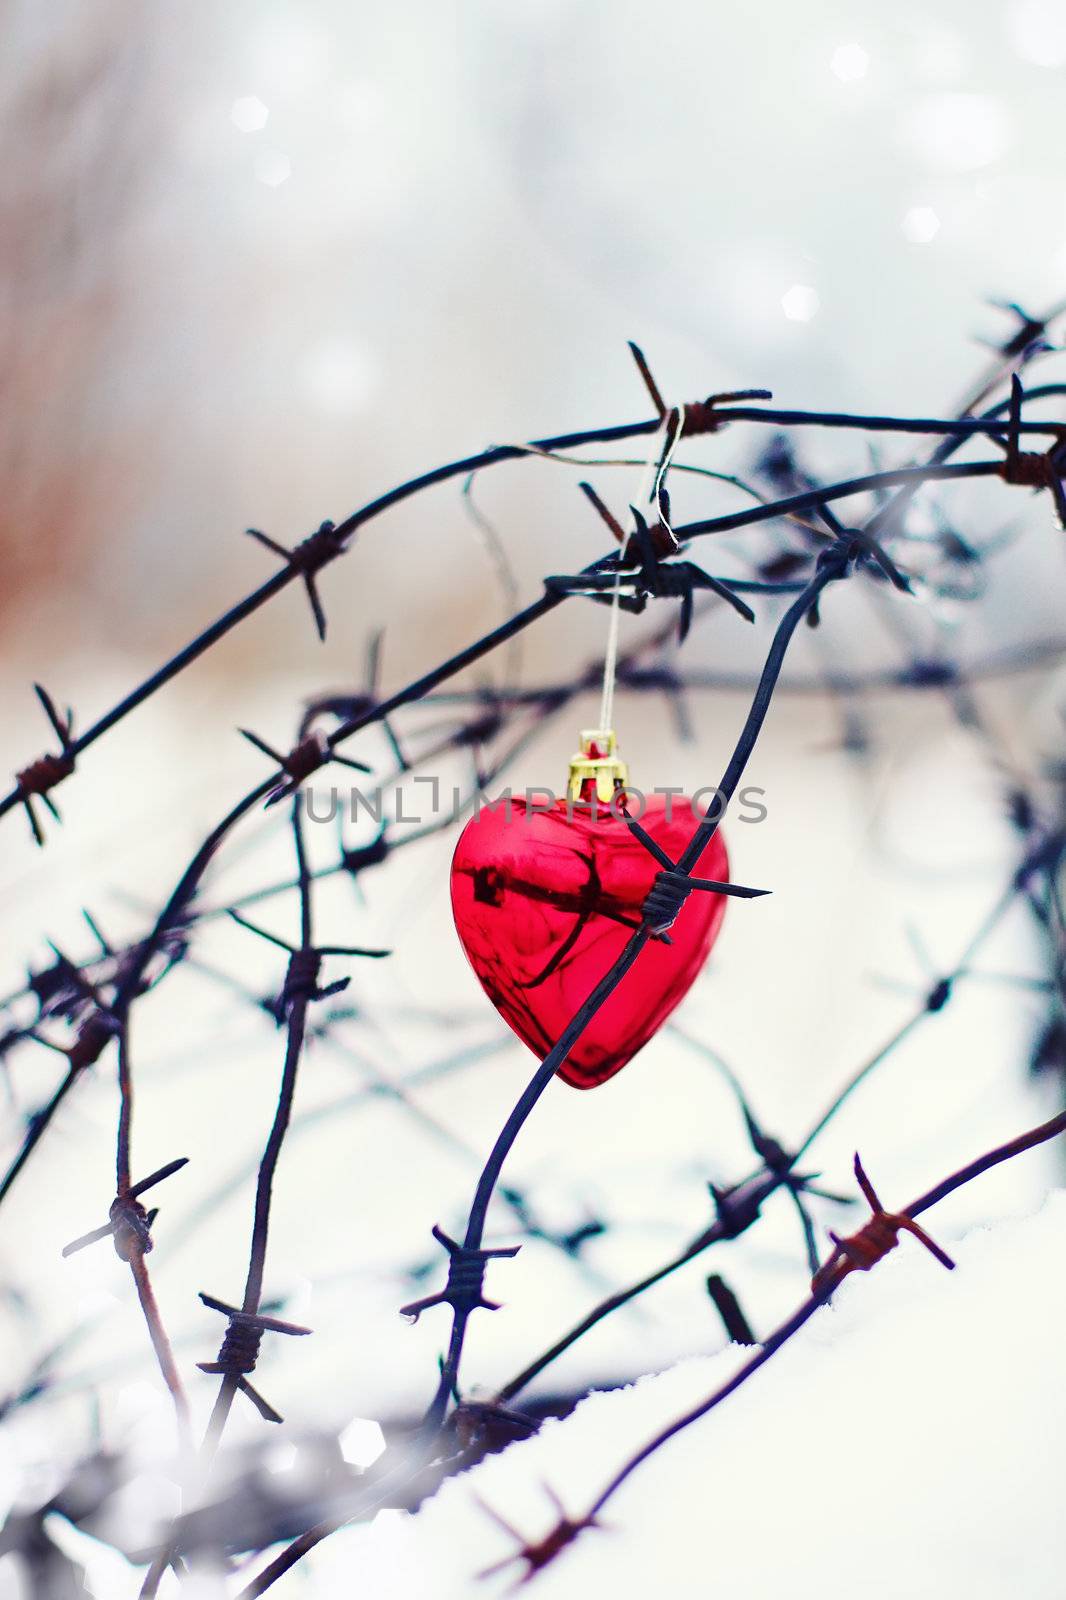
[[79, 1008]]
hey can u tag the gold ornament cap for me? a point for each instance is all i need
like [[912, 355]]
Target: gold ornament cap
[[598, 762]]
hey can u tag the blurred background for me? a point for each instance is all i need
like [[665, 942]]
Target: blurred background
[[262, 261]]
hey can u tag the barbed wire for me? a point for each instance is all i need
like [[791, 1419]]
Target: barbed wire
[[858, 1253], [94, 999]]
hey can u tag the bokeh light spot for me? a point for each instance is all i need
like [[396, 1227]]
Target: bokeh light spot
[[248, 114], [920, 224], [339, 378], [362, 1442], [800, 303], [849, 62], [272, 167]]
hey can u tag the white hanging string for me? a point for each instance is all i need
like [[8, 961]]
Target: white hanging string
[[655, 470]]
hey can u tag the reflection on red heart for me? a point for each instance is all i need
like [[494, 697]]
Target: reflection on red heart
[[544, 902]]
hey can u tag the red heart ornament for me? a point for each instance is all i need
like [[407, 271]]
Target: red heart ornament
[[545, 898]]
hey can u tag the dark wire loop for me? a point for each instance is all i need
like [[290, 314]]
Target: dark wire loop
[[736, 1210], [43, 774], [1031, 468], [306, 757], [464, 1290], [664, 900], [301, 979], [91, 1040], [131, 1227], [239, 1351], [319, 548]]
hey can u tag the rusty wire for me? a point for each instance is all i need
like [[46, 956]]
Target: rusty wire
[[97, 997]]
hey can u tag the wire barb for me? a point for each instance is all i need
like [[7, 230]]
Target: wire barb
[[646, 561], [308, 558], [305, 965], [536, 1554], [647, 575], [37, 780], [465, 1286], [1033, 469], [239, 1351], [129, 1224], [699, 415], [860, 1251], [304, 759], [670, 889]]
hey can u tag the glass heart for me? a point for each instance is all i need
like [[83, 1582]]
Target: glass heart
[[545, 898]]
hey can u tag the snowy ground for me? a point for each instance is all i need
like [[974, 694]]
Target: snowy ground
[[908, 1439], [907, 1443]]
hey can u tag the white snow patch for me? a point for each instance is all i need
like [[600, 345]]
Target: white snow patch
[[910, 1433]]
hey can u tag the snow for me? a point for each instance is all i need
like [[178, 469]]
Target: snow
[[911, 1433]]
